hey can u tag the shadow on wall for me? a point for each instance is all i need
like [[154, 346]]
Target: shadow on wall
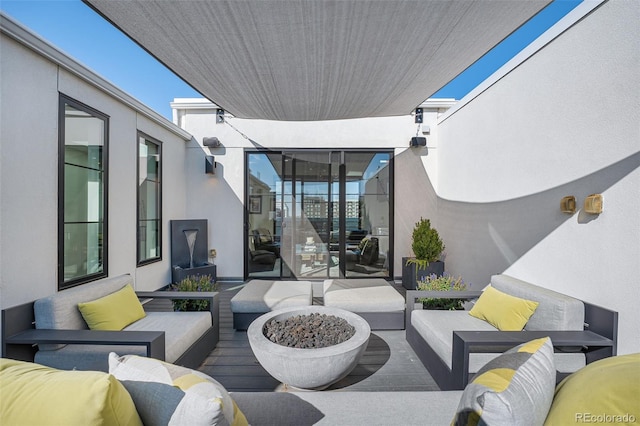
[[486, 238], [211, 197], [414, 197]]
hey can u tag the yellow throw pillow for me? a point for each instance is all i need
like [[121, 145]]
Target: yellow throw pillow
[[605, 392], [503, 311], [113, 312], [33, 394]]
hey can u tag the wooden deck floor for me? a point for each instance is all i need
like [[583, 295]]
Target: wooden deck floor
[[388, 364]]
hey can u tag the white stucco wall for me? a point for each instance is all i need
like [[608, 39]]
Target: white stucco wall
[[565, 122], [30, 85], [220, 198], [28, 170]]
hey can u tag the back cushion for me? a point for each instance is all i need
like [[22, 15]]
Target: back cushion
[[60, 311], [555, 311]]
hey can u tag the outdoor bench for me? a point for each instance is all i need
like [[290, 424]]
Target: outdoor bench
[[51, 331], [374, 299], [454, 345], [258, 297]]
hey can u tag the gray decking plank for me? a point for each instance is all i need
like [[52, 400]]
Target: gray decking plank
[[388, 364]]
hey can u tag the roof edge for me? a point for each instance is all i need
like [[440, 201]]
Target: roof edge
[[570, 19], [29, 39]]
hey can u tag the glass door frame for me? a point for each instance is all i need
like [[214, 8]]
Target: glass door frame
[[342, 208]]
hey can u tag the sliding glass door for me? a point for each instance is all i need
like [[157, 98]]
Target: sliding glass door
[[318, 214]]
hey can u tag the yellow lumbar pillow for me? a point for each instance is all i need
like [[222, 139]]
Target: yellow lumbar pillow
[[113, 312], [503, 311], [33, 394]]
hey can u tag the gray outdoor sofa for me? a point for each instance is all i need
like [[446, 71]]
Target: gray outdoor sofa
[[64, 340], [453, 345]]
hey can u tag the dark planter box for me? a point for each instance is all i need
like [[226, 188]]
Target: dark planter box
[[409, 272], [178, 273]]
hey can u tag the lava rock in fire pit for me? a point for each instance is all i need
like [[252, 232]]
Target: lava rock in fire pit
[[309, 331]]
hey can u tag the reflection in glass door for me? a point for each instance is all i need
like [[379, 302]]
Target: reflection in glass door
[[263, 213], [306, 217], [367, 214], [318, 214]]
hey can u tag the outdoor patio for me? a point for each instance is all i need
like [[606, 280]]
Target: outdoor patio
[[388, 364]]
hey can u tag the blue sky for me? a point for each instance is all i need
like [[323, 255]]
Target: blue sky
[[77, 30]]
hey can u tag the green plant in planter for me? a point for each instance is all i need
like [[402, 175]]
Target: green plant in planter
[[193, 283], [426, 244], [443, 283]]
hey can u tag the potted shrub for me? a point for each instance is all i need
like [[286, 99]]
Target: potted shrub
[[193, 283], [443, 282], [427, 247]]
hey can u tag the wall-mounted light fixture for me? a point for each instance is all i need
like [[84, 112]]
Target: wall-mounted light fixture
[[211, 142], [417, 141], [568, 204], [593, 204], [209, 165]]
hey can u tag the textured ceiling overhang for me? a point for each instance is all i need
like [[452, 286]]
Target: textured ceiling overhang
[[317, 60]]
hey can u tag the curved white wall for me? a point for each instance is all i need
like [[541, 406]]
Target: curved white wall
[[565, 122]]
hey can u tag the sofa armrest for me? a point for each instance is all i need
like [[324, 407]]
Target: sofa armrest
[[177, 294], [154, 341], [466, 342], [413, 295]]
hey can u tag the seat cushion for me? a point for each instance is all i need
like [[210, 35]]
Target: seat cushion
[[261, 296], [353, 408], [362, 295], [181, 329], [436, 328]]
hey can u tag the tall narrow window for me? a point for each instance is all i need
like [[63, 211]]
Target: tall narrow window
[[82, 220], [149, 200]]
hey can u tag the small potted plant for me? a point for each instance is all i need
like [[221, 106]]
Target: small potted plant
[[427, 247], [443, 282], [193, 283]]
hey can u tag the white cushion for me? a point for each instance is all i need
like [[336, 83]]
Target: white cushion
[[362, 295], [436, 328], [181, 329], [260, 296]]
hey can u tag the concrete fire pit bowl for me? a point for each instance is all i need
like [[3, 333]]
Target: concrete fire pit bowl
[[314, 368]]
